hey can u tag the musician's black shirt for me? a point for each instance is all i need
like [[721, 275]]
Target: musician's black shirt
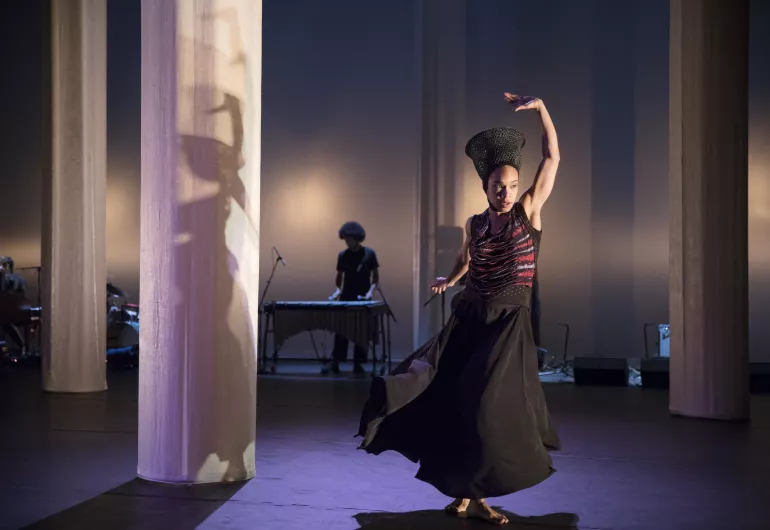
[[12, 283], [357, 266]]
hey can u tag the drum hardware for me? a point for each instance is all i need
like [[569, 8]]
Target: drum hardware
[[115, 292], [18, 322], [121, 335], [16, 313], [122, 328]]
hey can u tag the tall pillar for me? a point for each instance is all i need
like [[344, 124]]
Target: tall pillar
[[441, 31], [201, 108], [708, 152], [74, 217]]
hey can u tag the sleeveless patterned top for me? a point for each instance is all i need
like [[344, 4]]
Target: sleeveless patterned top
[[503, 263]]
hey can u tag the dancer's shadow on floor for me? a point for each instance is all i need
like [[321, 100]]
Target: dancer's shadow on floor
[[439, 520]]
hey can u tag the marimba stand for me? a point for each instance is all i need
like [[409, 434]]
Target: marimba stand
[[377, 311]]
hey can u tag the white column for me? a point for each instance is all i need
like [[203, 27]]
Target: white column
[[74, 218], [201, 108], [709, 209]]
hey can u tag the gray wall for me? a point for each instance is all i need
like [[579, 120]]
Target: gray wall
[[602, 69], [759, 183], [342, 141]]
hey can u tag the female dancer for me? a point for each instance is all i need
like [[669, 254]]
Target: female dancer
[[468, 405]]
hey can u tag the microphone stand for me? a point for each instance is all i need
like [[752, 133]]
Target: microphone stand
[[390, 312], [392, 316], [261, 343]]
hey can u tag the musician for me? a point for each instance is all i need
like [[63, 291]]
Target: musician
[[6, 266], [357, 278], [11, 283]]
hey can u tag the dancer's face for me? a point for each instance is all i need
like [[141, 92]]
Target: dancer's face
[[503, 188]]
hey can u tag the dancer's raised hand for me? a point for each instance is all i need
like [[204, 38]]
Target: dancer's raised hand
[[523, 102]]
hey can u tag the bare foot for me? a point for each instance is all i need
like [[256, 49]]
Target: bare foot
[[458, 506], [481, 510]]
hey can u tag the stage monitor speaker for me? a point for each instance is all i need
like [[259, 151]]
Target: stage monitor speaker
[[655, 372], [759, 378], [601, 371]]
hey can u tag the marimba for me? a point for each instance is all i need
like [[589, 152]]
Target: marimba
[[365, 323]]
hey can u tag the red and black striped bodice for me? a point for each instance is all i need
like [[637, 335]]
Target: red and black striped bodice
[[503, 263]]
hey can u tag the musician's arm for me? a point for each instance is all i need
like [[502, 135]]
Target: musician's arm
[[375, 281], [338, 282], [375, 268]]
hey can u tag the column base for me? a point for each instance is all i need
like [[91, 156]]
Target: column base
[[210, 478], [70, 391], [700, 416]]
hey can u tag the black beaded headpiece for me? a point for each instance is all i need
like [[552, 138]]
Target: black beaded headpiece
[[495, 147]]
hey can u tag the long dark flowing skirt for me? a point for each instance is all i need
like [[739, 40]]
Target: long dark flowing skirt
[[468, 405]]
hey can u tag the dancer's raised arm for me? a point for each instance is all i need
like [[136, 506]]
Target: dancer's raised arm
[[535, 197]]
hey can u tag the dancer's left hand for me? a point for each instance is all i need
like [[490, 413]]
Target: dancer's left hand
[[523, 102], [439, 285]]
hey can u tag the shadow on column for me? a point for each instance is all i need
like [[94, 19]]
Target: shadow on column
[[217, 294], [207, 260], [143, 505]]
